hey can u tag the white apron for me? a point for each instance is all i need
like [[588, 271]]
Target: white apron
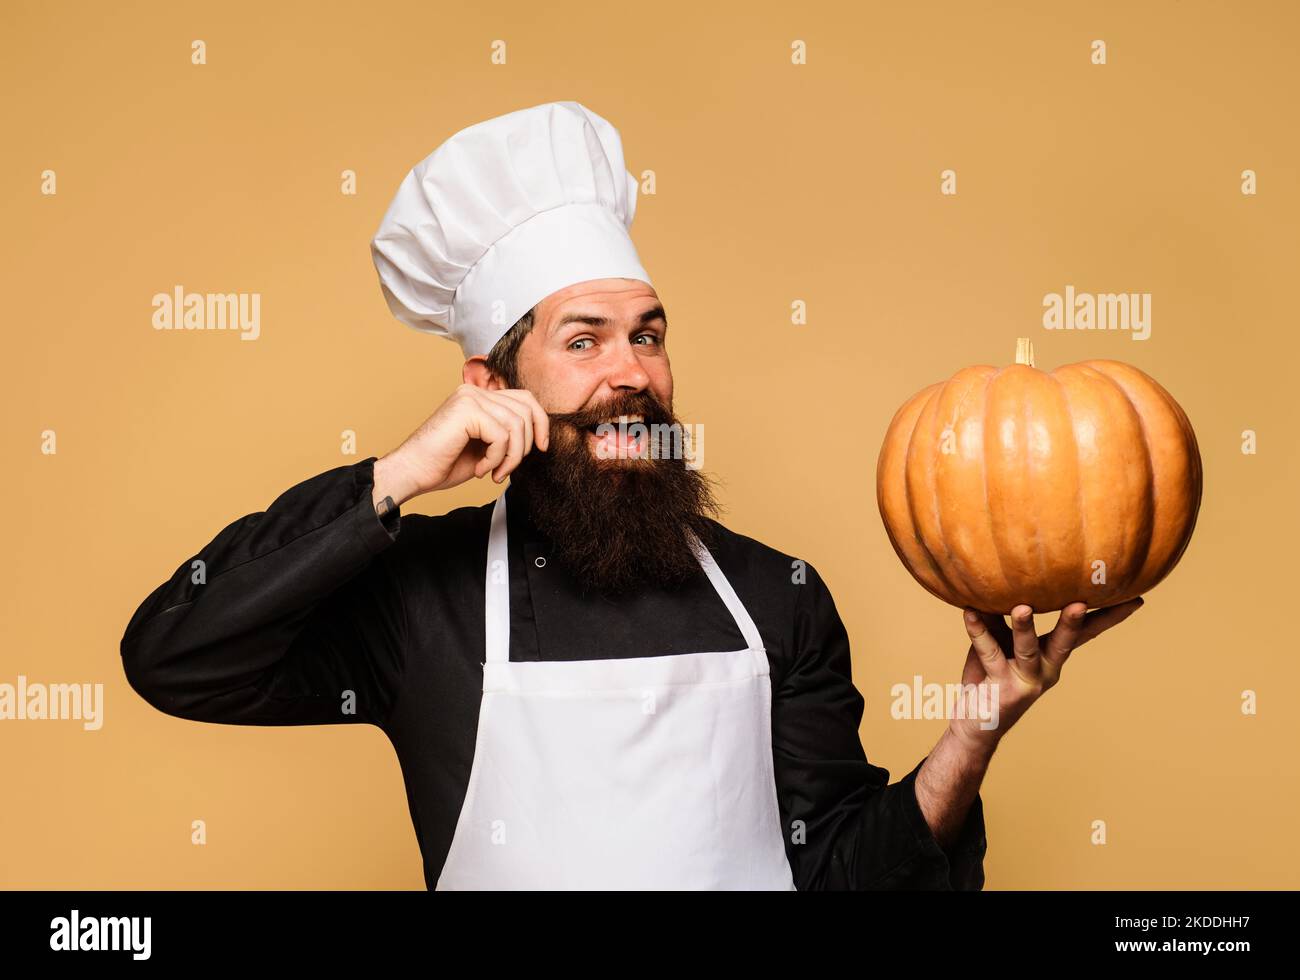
[[626, 773]]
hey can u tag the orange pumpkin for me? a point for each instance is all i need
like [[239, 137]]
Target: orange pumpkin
[[1006, 486]]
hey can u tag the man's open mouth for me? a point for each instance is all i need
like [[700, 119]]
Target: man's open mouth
[[627, 420], [619, 438]]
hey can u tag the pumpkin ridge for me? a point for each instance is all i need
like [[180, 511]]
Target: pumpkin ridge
[[1194, 456], [896, 446], [1185, 424], [912, 504], [1145, 533], [984, 473], [967, 590], [1078, 483], [1027, 405], [911, 509], [1193, 453]]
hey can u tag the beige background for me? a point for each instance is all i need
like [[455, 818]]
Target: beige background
[[775, 182]]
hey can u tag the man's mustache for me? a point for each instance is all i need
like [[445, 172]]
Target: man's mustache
[[648, 407]]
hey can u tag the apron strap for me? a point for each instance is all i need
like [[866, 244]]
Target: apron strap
[[497, 591], [753, 639], [497, 596]]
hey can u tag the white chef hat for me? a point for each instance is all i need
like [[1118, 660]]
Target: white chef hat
[[503, 214]]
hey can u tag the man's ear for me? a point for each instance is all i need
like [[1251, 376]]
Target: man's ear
[[476, 372]]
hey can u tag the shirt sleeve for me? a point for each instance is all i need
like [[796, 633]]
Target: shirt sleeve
[[292, 616], [847, 827]]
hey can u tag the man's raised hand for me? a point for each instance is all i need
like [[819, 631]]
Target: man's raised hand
[[474, 432]]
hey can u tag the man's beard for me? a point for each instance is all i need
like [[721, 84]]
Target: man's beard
[[618, 524]]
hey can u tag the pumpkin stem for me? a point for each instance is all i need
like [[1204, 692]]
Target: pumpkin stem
[[1024, 351]]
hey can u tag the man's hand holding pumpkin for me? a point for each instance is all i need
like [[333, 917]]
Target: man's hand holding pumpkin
[[1021, 665]]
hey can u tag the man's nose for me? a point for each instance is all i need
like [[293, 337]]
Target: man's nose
[[625, 370]]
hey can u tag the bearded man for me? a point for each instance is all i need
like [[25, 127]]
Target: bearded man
[[590, 682]]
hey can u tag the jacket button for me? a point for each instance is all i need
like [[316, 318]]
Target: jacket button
[[540, 562]]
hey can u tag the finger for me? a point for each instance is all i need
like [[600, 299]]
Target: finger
[[1065, 637], [514, 446], [985, 644], [485, 426], [1100, 620], [973, 672], [515, 407], [1024, 641], [997, 624], [541, 421], [512, 399]]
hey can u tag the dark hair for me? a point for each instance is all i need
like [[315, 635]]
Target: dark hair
[[503, 358]]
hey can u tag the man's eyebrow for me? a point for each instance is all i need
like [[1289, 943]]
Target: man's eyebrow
[[591, 320], [654, 313]]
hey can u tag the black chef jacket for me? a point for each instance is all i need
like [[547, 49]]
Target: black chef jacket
[[318, 596]]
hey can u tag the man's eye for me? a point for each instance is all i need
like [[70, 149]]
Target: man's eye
[[648, 336], [581, 340]]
